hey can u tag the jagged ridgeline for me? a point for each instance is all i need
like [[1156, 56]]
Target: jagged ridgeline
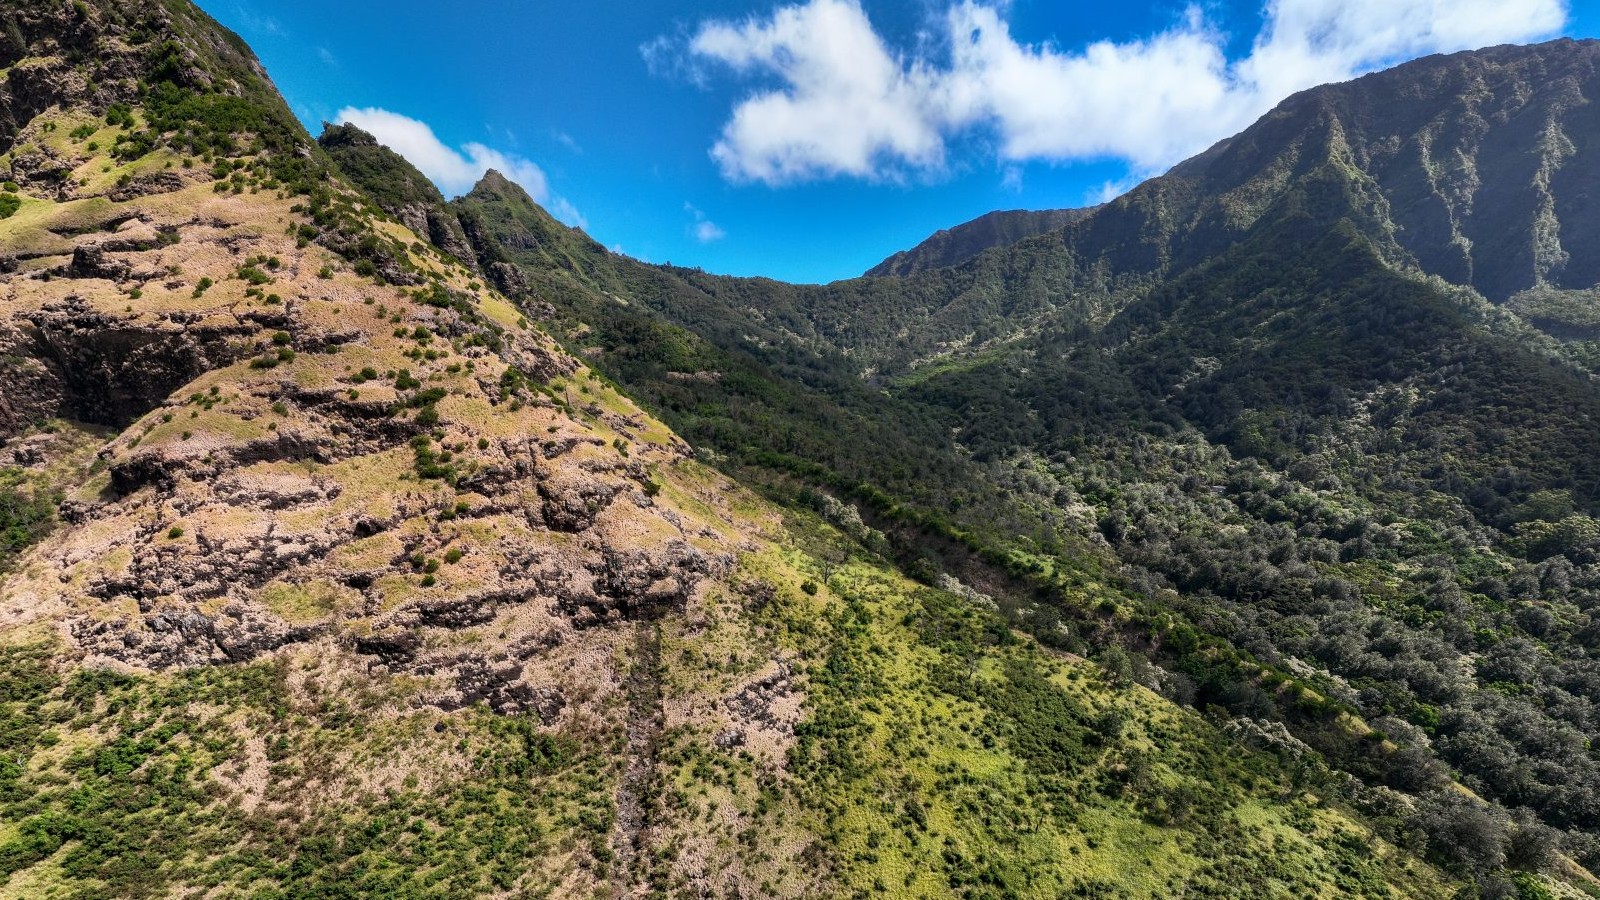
[[327, 572]]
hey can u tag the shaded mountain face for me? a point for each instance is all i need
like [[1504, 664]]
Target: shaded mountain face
[[1476, 166], [953, 246]]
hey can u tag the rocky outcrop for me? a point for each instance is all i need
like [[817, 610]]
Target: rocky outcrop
[[46, 172], [179, 636], [96, 367], [440, 227], [634, 583], [89, 261], [146, 185], [33, 391]]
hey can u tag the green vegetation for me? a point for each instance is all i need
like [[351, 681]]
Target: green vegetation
[[113, 788], [27, 513], [941, 755]]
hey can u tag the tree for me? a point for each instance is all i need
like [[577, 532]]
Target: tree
[[1464, 835]]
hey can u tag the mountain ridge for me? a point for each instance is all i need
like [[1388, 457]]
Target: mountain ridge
[[959, 243], [327, 569], [1246, 402]]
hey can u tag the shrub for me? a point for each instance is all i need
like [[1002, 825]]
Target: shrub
[[253, 275]]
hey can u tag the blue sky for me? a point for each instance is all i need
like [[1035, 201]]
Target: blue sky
[[808, 140]]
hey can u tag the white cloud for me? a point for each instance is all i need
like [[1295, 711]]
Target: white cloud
[[1140, 101], [839, 101], [456, 171], [256, 22], [705, 231], [1309, 41], [562, 209], [1111, 190], [848, 105]]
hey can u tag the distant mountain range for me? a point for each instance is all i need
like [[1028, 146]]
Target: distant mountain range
[[953, 246]]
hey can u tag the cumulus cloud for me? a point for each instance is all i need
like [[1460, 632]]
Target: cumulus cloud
[[704, 230], [454, 170], [838, 100], [847, 107]]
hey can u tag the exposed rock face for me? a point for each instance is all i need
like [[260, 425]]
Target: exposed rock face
[[767, 704], [83, 363], [46, 172], [175, 636], [507, 278], [440, 229], [34, 392], [145, 185], [298, 521], [278, 482]]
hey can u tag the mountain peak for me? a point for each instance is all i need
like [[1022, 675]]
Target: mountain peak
[[495, 185], [346, 135]]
